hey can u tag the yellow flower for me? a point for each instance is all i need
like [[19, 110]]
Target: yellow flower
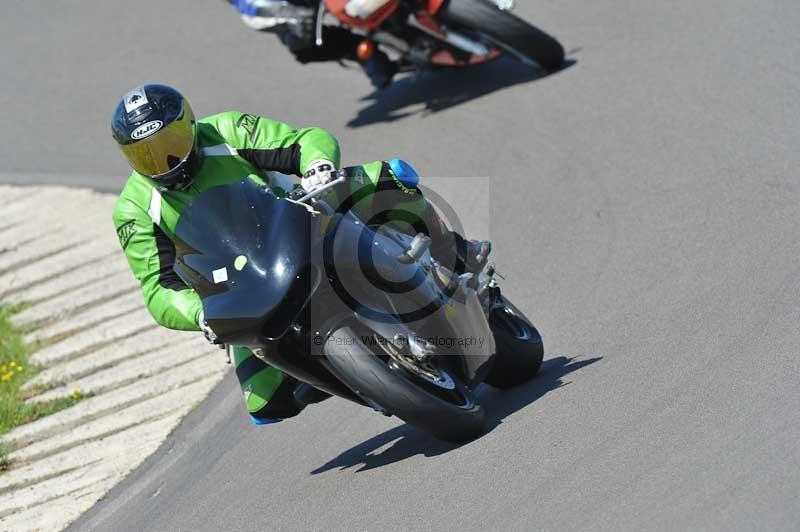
[[6, 377], [76, 393], [20, 369], [3, 368], [13, 363]]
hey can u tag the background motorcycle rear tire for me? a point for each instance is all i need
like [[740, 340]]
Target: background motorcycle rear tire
[[519, 347], [485, 17], [357, 365]]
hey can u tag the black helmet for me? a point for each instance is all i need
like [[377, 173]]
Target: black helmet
[[155, 129]]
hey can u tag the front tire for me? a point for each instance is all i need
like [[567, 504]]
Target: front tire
[[450, 415], [508, 31], [519, 347]]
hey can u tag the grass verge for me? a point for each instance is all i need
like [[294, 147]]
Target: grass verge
[[14, 371]]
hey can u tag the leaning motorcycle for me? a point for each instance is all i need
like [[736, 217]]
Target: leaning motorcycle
[[421, 34], [356, 311]]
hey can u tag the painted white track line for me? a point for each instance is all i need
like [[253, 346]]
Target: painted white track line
[[60, 258]]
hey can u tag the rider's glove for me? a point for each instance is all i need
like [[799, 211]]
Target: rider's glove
[[319, 173], [211, 336]]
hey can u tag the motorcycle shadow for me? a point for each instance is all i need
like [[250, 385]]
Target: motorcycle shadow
[[499, 404], [441, 89]]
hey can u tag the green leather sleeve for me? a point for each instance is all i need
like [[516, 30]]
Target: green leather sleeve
[[272, 145], [169, 301]]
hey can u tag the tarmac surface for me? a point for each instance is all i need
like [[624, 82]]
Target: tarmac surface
[[644, 206]]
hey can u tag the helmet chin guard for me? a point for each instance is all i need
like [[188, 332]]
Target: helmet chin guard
[[182, 175]]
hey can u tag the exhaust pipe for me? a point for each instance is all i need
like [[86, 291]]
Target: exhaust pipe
[[451, 37], [465, 43]]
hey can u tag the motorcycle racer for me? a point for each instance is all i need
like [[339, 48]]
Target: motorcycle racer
[[293, 22], [175, 157]]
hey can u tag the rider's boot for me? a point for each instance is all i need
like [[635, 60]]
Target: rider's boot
[[271, 395], [452, 250], [387, 192], [458, 254], [474, 253], [271, 15], [379, 69]]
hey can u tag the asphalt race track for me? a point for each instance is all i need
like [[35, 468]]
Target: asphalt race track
[[645, 210]]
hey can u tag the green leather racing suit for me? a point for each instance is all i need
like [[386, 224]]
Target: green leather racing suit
[[232, 146]]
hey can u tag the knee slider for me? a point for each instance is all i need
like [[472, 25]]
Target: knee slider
[[404, 173]]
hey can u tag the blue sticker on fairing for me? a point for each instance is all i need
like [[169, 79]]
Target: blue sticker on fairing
[[404, 172]]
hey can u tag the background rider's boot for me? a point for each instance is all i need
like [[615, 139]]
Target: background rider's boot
[[379, 69]]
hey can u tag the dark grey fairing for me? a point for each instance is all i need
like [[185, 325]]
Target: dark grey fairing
[[318, 270], [382, 292], [238, 222], [370, 278]]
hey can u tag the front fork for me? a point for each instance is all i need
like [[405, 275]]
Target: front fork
[[320, 16]]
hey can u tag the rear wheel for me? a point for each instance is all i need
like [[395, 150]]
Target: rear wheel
[[506, 31], [425, 396], [519, 347]]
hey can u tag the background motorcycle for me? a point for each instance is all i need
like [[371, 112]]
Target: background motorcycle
[[277, 275], [455, 33]]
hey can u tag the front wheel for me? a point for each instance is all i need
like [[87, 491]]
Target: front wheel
[[507, 31], [519, 347], [427, 397]]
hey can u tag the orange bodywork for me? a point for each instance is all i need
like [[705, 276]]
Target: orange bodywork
[[424, 17], [372, 22], [434, 6]]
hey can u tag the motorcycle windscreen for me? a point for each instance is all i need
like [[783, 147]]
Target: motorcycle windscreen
[[247, 254]]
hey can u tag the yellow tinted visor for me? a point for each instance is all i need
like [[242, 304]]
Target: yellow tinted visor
[[157, 148]]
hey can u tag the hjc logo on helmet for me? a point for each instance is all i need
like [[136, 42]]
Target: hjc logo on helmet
[[145, 130]]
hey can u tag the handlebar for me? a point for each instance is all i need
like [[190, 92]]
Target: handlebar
[[321, 190]]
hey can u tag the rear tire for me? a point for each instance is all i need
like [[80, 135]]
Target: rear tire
[[519, 347], [365, 369], [507, 30]]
